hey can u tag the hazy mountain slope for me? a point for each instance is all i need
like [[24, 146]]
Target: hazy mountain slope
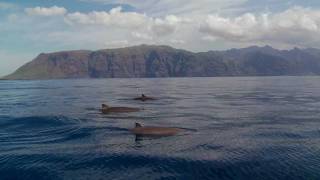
[[72, 64], [165, 61]]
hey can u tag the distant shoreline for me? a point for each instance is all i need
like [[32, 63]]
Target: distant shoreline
[[197, 77]]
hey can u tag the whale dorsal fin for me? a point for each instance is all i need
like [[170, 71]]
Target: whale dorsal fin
[[104, 106], [138, 125]]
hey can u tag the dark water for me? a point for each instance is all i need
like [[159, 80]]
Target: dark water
[[240, 128]]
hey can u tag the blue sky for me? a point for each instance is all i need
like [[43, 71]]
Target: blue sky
[[29, 27]]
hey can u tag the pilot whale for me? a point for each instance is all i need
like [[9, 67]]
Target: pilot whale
[[107, 109], [144, 98], [140, 130]]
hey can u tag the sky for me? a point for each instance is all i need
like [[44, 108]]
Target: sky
[[30, 27]]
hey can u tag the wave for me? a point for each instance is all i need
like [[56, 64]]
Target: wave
[[134, 166], [34, 122]]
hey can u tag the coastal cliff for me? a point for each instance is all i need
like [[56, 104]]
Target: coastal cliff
[[165, 61]]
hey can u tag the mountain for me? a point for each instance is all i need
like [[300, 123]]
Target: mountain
[[165, 61]]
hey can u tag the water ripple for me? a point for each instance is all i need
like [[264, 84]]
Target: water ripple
[[235, 128]]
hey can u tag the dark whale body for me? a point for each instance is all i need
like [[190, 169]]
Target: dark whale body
[[144, 98], [140, 130], [106, 109]]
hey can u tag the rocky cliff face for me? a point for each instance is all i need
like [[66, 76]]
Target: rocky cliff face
[[72, 64], [164, 61]]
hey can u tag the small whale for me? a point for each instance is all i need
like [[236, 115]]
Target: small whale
[[107, 109], [140, 130], [144, 98]]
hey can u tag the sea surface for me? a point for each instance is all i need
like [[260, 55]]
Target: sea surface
[[235, 128]]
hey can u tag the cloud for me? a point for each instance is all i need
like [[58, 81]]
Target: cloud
[[5, 6], [141, 36], [164, 7], [238, 28], [177, 41], [117, 43], [115, 17], [296, 26], [168, 25], [43, 11]]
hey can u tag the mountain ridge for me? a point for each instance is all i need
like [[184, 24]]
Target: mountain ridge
[[165, 61]]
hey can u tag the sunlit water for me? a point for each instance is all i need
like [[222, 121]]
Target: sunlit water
[[237, 128]]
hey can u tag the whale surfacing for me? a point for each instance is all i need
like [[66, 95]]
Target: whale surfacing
[[144, 98], [107, 109], [140, 130]]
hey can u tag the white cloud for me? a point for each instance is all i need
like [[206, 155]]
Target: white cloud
[[168, 25], [177, 41], [4, 5], [296, 26], [13, 17], [141, 36], [164, 7], [234, 29], [117, 43], [43, 11], [115, 17]]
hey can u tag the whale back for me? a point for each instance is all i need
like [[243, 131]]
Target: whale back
[[144, 98], [108, 109], [154, 131]]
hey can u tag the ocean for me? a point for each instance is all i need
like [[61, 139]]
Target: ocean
[[235, 128]]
